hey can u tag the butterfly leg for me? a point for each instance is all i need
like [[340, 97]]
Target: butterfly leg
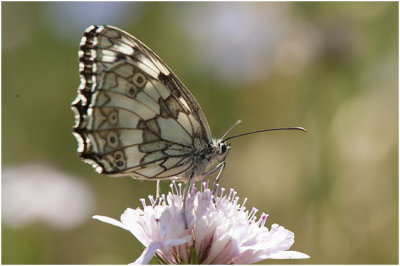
[[221, 167], [157, 193], [185, 193], [158, 189]]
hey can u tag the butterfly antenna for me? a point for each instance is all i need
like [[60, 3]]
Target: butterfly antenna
[[234, 125], [264, 130]]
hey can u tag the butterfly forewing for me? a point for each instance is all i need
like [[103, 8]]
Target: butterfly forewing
[[133, 115]]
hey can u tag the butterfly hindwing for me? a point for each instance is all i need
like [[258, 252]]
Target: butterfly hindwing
[[133, 115]]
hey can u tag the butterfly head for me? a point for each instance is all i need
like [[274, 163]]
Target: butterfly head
[[221, 149]]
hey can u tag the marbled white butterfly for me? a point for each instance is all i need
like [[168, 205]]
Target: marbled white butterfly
[[135, 117]]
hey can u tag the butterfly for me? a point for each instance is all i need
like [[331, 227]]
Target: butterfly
[[134, 117]]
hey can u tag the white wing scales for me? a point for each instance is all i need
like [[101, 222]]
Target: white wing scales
[[133, 115]]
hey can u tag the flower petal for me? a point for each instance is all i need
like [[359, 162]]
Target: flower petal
[[142, 224], [288, 255], [177, 242], [148, 253], [109, 220]]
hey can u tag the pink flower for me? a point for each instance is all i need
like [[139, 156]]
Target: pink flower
[[220, 232]]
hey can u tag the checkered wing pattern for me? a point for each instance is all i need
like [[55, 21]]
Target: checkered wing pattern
[[133, 115]]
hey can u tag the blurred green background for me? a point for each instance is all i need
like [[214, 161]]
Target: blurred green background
[[329, 67]]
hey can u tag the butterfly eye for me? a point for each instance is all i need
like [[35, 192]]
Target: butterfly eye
[[222, 148]]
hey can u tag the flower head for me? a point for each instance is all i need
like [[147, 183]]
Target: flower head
[[220, 230]]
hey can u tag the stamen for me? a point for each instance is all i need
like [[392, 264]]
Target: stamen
[[151, 199], [230, 193], [143, 201], [193, 188], [235, 202], [233, 196], [252, 214], [222, 192], [180, 189], [242, 208], [216, 188], [263, 219], [176, 188], [163, 199], [259, 220]]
